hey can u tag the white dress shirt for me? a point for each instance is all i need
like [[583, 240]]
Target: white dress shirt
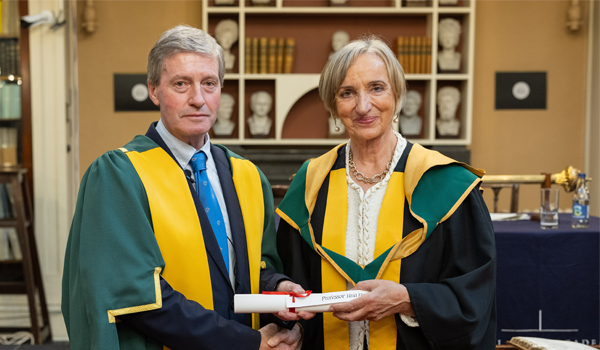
[[183, 153]]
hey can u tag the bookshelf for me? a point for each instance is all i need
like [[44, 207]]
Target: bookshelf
[[19, 262], [298, 116], [15, 110]]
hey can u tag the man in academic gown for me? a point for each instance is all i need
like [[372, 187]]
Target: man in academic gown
[[169, 227], [444, 254]]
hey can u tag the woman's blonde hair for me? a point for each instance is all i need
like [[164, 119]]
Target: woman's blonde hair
[[337, 66]]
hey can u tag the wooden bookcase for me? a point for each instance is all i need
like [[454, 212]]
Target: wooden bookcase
[[298, 115]]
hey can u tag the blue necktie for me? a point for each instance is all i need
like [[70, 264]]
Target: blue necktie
[[211, 204]]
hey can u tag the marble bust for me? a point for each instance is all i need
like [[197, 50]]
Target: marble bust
[[338, 40], [448, 99], [260, 104], [410, 121], [449, 35], [332, 124], [226, 33], [224, 126]]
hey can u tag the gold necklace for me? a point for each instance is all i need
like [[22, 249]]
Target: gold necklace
[[361, 177]]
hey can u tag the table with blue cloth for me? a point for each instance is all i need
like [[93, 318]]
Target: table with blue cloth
[[548, 281]]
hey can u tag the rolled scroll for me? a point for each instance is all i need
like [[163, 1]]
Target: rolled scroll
[[271, 303]]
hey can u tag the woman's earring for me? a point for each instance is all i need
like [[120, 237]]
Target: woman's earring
[[396, 119], [337, 128]]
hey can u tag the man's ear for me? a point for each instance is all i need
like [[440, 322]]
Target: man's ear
[[152, 94]]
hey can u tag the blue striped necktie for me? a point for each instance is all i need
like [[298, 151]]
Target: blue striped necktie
[[210, 203]]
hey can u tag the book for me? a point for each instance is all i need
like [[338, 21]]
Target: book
[[4, 245], [247, 55], [272, 65], [532, 343], [10, 18], [13, 239], [290, 44], [428, 56], [2, 209], [6, 202], [400, 52], [11, 200], [254, 68], [412, 54], [422, 55], [263, 56], [418, 54], [280, 53]]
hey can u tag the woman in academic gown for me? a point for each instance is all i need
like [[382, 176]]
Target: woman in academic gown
[[383, 215]]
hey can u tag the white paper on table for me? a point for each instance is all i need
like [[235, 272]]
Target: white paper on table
[[509, 216], [270, 303]]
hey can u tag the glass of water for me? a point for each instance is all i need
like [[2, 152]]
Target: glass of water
[[549, 208]]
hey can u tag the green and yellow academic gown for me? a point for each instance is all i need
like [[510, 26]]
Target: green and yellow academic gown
[[136, 225], [434, 235]]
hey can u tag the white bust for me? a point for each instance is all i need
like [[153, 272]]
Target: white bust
[[410, 121], [449, 35], [338, 40], [259, 122], [332, 125], [224, 125], [448, 99], [226, 33]]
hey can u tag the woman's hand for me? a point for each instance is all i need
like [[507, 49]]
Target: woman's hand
[[289, 286], [385, 298]]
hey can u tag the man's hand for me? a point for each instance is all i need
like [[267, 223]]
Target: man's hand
[[289, 286], [385, 298], [284, 339]]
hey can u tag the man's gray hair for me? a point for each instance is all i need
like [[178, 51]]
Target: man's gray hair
[[180, 39], [339, 63]]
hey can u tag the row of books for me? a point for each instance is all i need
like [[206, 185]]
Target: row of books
[[414, 54], [9, 56], [9, 18], [10, 100], [269, 55], [9, 240]]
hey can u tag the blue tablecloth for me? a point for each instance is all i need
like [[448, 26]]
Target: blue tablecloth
[[548, 281]]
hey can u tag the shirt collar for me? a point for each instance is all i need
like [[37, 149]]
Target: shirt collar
[[181, 150]]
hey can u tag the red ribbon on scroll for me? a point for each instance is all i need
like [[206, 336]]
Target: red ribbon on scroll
[[293, 295]]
